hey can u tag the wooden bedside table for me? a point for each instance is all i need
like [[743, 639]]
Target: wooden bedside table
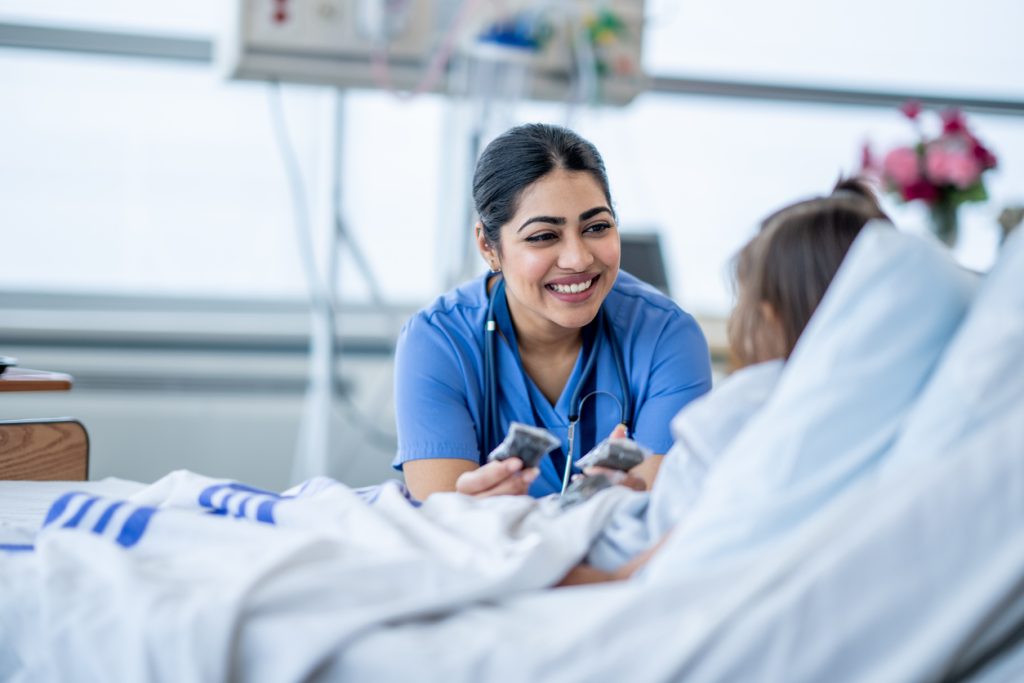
[[23, 379], [43, 449]]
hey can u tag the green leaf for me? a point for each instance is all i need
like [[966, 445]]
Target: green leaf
[[974, 193]]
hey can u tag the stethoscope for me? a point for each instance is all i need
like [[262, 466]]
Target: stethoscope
[[491, 421]]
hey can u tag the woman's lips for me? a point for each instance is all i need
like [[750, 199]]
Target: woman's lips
[[573, 289]]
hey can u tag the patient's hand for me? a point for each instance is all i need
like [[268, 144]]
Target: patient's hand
[[583, 573], [497, 478]]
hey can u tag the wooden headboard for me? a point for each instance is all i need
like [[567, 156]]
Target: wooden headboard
[[44, 450]]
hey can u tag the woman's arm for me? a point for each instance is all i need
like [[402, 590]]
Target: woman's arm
[[500, 478]]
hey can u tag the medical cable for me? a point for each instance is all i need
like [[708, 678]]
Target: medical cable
[[320, 292]]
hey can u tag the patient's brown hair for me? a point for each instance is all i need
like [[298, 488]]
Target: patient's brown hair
[[783, 271]]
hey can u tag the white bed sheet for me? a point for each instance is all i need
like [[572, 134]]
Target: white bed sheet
[[23, 504]]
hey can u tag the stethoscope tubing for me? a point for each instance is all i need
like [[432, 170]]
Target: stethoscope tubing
[[492, 421]]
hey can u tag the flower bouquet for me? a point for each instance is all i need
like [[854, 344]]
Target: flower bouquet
[[942, 170]]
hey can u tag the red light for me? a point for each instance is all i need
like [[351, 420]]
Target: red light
[[281, 11]]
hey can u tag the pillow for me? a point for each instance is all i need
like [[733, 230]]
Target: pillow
[[981, 375], [863, 359]]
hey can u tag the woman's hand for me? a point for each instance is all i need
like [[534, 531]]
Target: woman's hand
[[497, 478], [627, 479], [618, 477]]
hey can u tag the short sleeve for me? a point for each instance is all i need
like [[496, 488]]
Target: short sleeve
[[680, 372], [432, 410]]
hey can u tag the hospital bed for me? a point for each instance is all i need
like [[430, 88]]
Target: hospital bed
[[868, 524]]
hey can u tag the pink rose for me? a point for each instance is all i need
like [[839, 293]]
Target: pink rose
[[900, 167], [983, 155], [953, 121], [920, 189], [911, 109], [951, 166]]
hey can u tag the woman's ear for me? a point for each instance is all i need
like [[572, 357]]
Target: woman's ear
[[485, 248]]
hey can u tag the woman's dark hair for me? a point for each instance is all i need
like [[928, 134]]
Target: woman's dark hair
[[519, 157], [783, 272]]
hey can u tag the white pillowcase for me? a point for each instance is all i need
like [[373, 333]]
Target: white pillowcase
[[981, 375], [860, 364]]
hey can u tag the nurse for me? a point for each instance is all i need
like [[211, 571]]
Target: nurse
[[573, 336]]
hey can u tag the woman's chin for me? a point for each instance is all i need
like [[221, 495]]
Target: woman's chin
[[575, 319]]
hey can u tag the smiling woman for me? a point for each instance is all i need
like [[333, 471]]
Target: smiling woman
[[554, 335]]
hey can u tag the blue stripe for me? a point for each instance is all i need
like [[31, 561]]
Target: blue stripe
[[265, 512], [207, 494], [225, 504], [135, 526], [104, 519], [74, 521], [58, 507], [17, 547], [241, 507]]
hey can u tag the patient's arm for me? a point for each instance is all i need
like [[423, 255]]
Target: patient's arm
[[648, 470], [583, 573]]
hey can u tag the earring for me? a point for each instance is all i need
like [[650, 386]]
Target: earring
[[495, 268]]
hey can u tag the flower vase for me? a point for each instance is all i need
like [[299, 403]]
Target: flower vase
[[945, 222]]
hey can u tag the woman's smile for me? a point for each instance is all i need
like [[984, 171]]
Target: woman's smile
[[573, 289]]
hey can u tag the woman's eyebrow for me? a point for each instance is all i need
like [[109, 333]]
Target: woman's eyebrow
[[554, 220], [590, 213], [558, 220]]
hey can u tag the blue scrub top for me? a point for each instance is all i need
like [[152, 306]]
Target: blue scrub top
[[439, 377]]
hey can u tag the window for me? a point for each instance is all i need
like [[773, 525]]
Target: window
[[158, 177]]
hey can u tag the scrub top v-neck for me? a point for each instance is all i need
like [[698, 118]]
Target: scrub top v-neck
[[553, 417], [439, 376]]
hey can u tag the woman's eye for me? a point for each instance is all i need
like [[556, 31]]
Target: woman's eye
[[598, 227], [542, 237]]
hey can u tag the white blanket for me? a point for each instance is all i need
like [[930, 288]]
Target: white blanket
[[196, 579], [889, 585]]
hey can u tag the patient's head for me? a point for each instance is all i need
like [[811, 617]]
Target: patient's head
[[783, 271]]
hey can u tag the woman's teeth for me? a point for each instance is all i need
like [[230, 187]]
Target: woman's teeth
[[573, 289]]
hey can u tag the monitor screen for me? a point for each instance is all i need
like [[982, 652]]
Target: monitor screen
[[642, 257]]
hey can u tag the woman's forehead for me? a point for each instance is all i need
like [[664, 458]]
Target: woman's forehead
[[562, 193]]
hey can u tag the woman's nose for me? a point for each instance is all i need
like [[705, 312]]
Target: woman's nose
[[575, 255]]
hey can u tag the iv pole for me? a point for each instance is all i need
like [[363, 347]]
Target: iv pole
[[315, 440]]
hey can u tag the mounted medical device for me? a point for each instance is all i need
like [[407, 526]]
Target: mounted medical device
[[570, 49]]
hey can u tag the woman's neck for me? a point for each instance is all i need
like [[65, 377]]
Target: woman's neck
[[547, 351], [536, 335]]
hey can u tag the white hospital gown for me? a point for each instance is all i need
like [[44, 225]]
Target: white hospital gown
[[702, 431]]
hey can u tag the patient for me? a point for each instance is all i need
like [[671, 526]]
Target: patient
[[781, 276]]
